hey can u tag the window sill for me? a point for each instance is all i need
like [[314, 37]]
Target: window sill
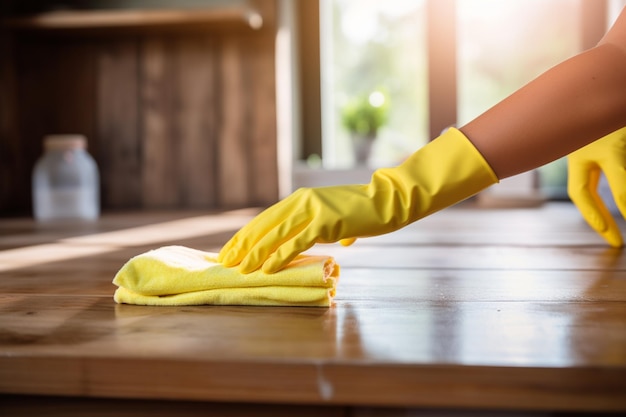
[[305, 176]]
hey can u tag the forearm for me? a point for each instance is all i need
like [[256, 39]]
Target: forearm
[[567, 107]]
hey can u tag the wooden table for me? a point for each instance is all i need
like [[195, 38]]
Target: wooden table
[[519, 310]]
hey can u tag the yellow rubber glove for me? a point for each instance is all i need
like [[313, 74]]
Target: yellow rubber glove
[[445, 171], [608, 155]]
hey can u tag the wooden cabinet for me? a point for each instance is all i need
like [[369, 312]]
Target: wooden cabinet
[[178, 106]]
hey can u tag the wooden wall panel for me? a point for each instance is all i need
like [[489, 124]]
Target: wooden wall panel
[[118, 125], [260, 84], [174, 119], [196, 81], [160, 142], [233, 164], [55, 94], [442, 66], [74, 93], [248, 160], [309, 77], [9, 145], [34, 117]]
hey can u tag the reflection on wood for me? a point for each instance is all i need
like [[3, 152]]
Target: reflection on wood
[[484, 322]]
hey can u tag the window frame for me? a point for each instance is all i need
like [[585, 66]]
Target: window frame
[[442, 65]]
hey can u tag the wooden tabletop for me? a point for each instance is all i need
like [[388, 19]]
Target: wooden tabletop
[[516, 309]]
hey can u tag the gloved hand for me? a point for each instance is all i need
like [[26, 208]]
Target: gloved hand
[[608, 155], [445, 171]]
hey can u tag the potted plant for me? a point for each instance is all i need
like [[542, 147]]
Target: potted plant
[[363, 117]]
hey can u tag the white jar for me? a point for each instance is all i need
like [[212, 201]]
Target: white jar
[[66, 183]]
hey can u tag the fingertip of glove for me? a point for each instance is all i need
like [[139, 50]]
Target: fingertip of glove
[[597, 222], [348, 241], [614, 238], [276, 263], [245, 270], [226, 259], [270, 268]]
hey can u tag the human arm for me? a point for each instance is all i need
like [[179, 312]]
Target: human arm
[[562, 110], [445, 171], [565, 108], [560, 113]]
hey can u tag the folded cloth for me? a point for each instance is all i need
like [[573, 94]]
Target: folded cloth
[[177, 275]]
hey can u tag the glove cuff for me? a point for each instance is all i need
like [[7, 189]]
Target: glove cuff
[[482, 166], [444, 172]]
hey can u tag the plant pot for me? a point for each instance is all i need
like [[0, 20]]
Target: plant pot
[[362, 145]]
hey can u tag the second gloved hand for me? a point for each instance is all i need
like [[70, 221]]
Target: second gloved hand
[[608, 155], [445, 171]]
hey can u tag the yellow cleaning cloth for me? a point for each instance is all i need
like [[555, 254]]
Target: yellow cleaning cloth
[[177, 275]]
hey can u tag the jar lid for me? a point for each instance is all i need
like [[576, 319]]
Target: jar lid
[[64, 142]]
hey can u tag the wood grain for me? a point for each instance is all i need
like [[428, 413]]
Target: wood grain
[[520, 326], [196, 59], [55, 94], [260, 83], [160, 147], [15, 405], [11, 167], [177, 116], [234, 167], [118, 124]]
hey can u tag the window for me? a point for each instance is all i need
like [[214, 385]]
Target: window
[[502, 46], [374, 55], [368, 46]]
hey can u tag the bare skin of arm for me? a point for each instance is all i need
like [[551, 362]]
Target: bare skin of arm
[[567, 107]]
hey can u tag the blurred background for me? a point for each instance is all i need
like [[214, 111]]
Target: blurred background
[[215, 104]]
